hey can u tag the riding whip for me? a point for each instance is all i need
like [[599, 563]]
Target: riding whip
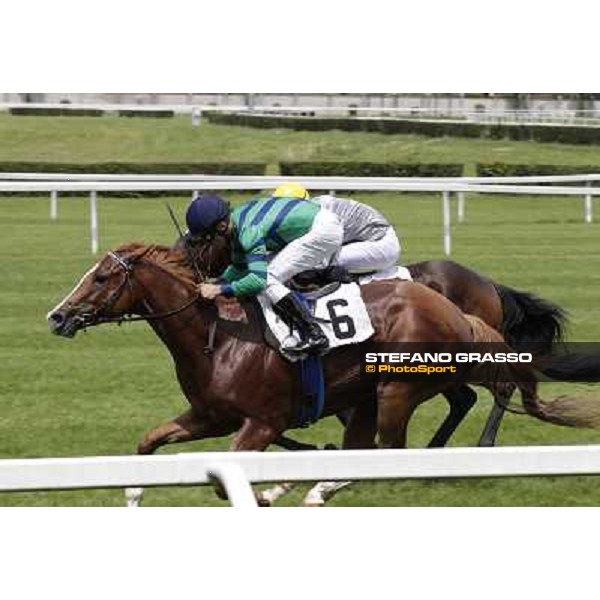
[[186, 245]]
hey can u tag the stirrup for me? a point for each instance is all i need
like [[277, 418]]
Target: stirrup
[[306, 347]]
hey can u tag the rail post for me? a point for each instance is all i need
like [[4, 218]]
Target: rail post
[[447, 223], [236, 484], [460, 208], [196, 117], [94, 221], [53, 205], [588, 205]]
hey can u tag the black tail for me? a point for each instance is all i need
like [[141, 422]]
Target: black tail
[[530, 323]]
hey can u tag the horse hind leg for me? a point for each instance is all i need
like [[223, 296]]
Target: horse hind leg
[[491, 427], [269, 496], [501, 396], [461, 400], [254, 435], [396, 402], [323, 491], [359, 434]]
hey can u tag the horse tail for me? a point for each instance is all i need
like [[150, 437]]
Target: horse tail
[[532, 324], [568, 411], [529, 322]]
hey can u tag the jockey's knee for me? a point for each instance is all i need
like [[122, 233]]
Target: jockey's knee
[[275, 290]]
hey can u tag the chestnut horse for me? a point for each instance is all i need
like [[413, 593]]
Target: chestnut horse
[[528, 323], [156, 284]]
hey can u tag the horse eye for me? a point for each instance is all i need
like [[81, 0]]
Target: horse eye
[[100, 278]]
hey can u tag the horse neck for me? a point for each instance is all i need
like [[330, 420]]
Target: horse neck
[[163, 293]]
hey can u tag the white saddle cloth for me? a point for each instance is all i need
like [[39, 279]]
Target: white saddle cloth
[[342, 315]]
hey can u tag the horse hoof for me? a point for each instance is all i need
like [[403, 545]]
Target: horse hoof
[[133, 497], [263, 502]]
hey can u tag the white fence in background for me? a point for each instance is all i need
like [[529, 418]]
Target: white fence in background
[[586, 117], [580, 178], [237, 470], [53, 184]]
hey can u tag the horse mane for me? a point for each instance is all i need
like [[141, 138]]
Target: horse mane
[[166, 257]]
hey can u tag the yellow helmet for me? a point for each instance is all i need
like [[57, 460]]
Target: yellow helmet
[[291, 190]]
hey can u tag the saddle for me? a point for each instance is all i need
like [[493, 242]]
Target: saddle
[[310, 281], [315, 279]]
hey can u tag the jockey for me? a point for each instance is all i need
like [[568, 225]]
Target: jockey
[[273, 239], [370, 242]]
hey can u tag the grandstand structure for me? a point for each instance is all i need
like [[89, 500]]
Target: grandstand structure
[[439, 104]]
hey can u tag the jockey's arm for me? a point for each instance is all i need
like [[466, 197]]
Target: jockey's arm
[[237, 269], [253, 279], [232, 273]]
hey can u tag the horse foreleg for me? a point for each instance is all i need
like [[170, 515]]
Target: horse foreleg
[[461, 400], [185, 428], [189, 426]]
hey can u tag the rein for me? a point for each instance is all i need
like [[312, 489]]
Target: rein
[[128, 267]]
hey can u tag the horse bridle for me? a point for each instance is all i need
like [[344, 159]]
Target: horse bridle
[[96, 317]]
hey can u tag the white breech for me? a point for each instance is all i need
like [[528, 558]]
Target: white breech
[[370, 255], [314, 250]]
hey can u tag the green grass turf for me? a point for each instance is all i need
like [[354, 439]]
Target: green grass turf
[[112, 139], [99, 393]]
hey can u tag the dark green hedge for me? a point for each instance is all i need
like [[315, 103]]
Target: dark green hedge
[[567, 134], [144, 168], [499, 169], [152, 114], [563, 134], [86, 112], [368, 169], [430, 128], [55, 112]]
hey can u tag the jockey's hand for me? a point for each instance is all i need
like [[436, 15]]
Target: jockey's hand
[[209, 290]]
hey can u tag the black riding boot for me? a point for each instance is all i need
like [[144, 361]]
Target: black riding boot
[[313, 339]]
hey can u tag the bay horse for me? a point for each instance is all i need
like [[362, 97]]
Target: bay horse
[[527, 323], [156, 284]]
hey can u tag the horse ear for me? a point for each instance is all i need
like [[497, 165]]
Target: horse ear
[[133, 250], [141, 250]]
